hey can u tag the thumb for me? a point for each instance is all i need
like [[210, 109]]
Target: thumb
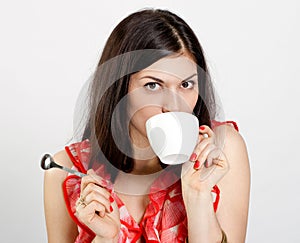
[[217, 166]]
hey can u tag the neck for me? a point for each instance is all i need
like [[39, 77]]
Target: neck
[[145, 160], [146, 167], [137, 182]]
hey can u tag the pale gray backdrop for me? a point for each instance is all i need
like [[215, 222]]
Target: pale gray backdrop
[[48, 49]]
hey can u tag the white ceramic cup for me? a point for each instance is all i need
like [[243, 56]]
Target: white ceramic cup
[[173, 136]]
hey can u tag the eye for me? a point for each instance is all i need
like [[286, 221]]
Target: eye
[[152, 86], [188, 84]]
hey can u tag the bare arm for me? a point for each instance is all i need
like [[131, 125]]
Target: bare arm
[[232, 213], [233, 179], [60, 227]]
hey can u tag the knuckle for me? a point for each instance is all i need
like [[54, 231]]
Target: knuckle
[[106, 193], [103, 191], [198, 149], [85, 180], [101, 207], [97, 206], [88, 198], [93, 194], [90, 171], [201, 157], [90, 186], [106, 203]]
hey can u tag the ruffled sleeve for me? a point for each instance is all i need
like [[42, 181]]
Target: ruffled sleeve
[[78, 153], [215, 123]]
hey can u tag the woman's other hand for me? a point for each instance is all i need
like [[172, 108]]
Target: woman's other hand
[[210, 163], [97, 209]]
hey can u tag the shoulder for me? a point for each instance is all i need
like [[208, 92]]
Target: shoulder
[[62, 158], [231, 139], [75, 154], [234, 145], [56, 176], [236, 153], [235, 150]]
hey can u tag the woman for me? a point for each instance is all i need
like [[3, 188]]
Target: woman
[[152, 63]]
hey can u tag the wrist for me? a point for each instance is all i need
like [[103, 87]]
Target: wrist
[[193, 200], [194, 196], [99, 239], [196, 189]]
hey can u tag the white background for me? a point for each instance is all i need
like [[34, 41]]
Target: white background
[[50, 48]]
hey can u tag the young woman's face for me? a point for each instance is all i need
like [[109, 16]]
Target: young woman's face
[[170, 84]]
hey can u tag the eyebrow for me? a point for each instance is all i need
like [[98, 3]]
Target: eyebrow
[[160, 81]]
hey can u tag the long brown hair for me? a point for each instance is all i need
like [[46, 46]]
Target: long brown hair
[[156, 34]]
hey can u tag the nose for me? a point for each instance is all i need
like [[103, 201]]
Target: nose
[[171, 101]]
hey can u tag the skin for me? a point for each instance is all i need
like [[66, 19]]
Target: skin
[[154, 90]]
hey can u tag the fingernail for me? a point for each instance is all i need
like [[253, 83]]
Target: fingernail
[[202, 128], [206, 164], [197, 165], [111, 199], [193, 157], [111, 209]]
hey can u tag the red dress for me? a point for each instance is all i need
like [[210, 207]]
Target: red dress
[[164, 219]]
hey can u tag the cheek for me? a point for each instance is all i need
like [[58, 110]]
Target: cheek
[[191, 99], [143, 104], [138, 99], [194, 101]]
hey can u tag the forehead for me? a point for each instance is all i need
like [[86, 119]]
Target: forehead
[[179, 66]]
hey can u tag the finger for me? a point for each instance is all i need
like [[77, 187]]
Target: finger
[[102, 182], [200, 146], [214, 156], [204, 155], [91, 187], [189, 168], [80, 204], [92, 179], [204, 129], [221, 162], [96, 196], [89, 212], [205, 133], [201, 137], [217, 170]]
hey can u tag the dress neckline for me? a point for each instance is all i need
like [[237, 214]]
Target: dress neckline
[[159, 187]]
